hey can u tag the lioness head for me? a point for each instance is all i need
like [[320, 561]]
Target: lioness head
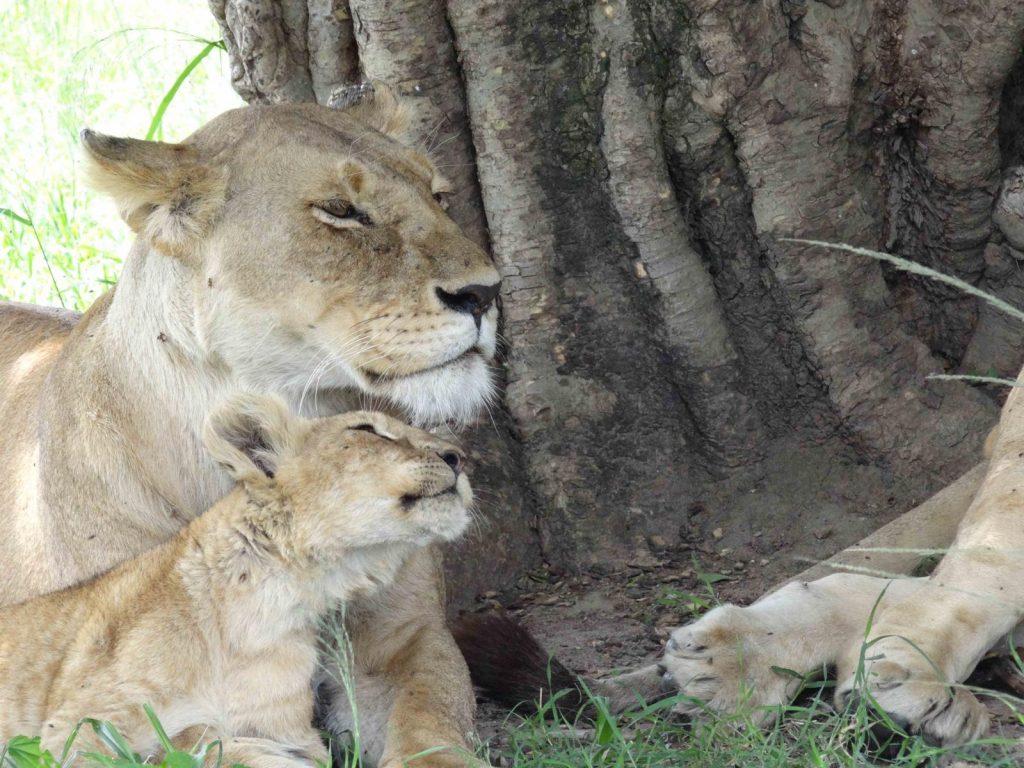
[[355, 480], [318, 252]]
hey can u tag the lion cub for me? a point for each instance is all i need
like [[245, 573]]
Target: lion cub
[[217, 628]]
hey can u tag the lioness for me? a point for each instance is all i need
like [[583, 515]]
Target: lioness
[[291, 249], [217, 628]]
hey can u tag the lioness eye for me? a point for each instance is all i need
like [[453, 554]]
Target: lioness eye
[[342, 213]]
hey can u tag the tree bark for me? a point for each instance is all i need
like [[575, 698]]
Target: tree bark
[[631, 164]]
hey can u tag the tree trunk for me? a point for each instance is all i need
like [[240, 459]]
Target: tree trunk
[[631, 165]]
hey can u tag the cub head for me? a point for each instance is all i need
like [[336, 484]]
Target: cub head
[[355, 480], [316, 254]]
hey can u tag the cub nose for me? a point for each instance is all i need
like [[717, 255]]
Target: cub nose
[[453, 460], [472, 299]]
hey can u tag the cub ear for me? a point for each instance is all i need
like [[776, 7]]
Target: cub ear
[[375, 104], [250, 434], [165, 192]]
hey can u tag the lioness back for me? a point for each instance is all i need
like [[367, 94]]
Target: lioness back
[[25, 326], [32, 338]]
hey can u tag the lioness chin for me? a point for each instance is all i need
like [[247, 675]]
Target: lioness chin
[[217, 628]]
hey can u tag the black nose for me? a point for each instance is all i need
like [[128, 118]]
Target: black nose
[[472, 299], [453, 460]]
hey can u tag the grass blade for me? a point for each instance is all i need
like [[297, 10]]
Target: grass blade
[[158, 728], [15, 216], [113, 739], [914, 268], [974, 379], [27, 221], [158, 117]]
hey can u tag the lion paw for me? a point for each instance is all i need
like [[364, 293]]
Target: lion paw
[[729, 661], [905, 685]]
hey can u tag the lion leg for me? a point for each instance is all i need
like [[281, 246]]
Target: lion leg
[[919, 652], [413, 698], [431, 712], [754, 659], [304, 750], [638, 687], [255, 752], [922, 648]]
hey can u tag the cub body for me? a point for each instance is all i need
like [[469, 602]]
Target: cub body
[[218, 627]]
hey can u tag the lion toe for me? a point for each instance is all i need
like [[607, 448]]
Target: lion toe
[[916, 702], [721, 663]]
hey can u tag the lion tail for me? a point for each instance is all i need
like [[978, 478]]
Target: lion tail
[[509, 666]]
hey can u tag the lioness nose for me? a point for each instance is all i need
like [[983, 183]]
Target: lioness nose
[[453, 460], [471, 299]]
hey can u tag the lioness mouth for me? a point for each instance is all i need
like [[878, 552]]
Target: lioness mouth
[[379, 378]]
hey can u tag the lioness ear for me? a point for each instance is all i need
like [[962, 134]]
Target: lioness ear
[[375, 104], [250, 434], [164, 191]]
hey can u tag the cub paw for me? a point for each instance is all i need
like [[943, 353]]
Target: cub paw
[[906, 686], [729, 661]]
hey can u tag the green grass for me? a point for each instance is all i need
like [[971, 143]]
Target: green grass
[[126, 67], [24, 752], [810, 733]]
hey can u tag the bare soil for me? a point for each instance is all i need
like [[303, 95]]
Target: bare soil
[[759, 528], [752, 531]]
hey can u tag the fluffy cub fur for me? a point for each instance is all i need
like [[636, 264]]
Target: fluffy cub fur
[[217, 628]]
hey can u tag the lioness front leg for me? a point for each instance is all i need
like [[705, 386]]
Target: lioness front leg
[[414, 700], [304, 750], [254, 752], [743, 659], [921, 649]]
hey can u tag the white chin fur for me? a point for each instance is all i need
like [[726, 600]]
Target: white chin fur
[[456, 393]]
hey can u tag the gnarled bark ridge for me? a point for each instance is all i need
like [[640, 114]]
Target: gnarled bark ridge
[[631, 165]]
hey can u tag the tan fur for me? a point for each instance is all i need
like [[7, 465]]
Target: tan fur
[[217, 628], [237, 282]]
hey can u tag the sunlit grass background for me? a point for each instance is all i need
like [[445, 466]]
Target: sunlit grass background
[[106, 64]]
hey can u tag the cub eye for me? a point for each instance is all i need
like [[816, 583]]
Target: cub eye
[[442, 198], [341, 213], [370, 428]]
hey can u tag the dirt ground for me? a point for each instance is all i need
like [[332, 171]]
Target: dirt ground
[[755, 531], [597, 624], [746, 534]]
